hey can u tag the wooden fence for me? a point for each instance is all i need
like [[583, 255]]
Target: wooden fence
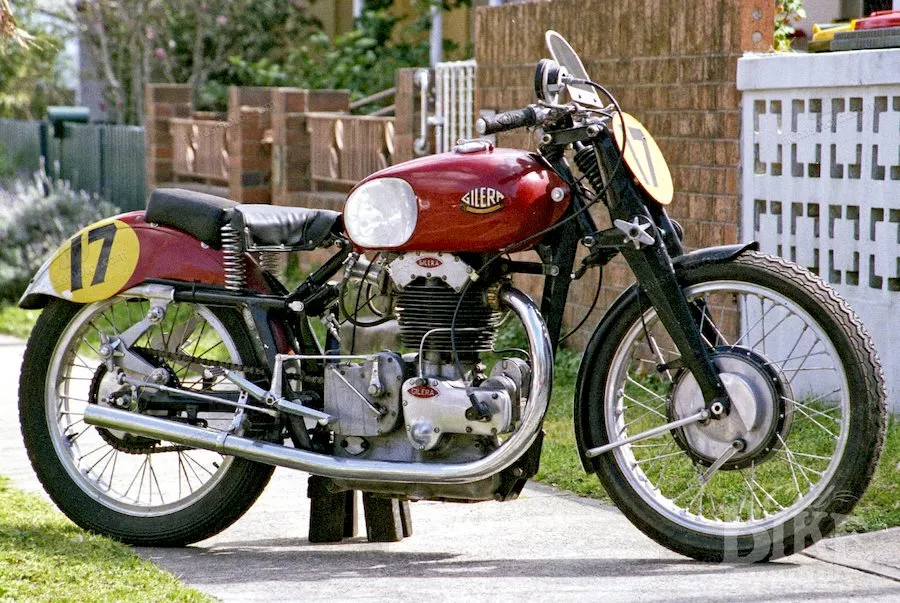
[[200, 149], [347, 148]]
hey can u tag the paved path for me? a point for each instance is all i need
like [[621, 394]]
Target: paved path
[[547, 546]]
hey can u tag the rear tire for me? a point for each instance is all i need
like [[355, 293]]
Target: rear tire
[[174, 497], [819, 429]]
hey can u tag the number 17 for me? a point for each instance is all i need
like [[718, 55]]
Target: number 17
[[106, 233]]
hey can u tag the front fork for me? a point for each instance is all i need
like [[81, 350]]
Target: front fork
[[650, 260], [654, 272]]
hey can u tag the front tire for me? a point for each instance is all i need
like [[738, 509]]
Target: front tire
[[811, 395], [133, 489]]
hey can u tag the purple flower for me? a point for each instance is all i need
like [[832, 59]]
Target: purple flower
[[160, 53], [222, 20]]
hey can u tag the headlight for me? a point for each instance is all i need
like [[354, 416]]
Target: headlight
[[381, 213]]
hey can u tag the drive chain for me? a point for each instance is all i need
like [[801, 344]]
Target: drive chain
[[161, 355]]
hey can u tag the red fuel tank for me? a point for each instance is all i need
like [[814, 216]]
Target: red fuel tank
[[479, 199]]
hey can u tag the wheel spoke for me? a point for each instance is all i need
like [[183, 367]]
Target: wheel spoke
[[155, 480], [804, 470], [210, 349], [633, 421], [765, 334], [642, 405], [753, 326], [73, 438], [88, 344], [195, 463], [807, 415], [100, 460], [190, 465], [111, 460], [92, 451], [134, 479], [659, 456], [815, 411], [781, 363], [793, 472], [804, 359]]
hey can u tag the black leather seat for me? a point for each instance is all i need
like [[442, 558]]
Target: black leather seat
[[262, 226], [289, 228], [197, 214]]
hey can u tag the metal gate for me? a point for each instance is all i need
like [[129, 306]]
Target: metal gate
[[454, 103], [97, 158]]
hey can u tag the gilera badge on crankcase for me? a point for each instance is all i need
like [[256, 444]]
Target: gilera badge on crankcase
[[482, 200], [429, 262], [422, 391]]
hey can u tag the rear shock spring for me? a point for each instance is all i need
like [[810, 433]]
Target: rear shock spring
[[271, 262], [586, 160], [232, 259]]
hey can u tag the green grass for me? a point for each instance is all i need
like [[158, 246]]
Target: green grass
[[45, 557], [880, 506], [560, 465], [15, 321]]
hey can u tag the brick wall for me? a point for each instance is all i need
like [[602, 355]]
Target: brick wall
[[162, 102], [249, 154], [671, 64], [291, 144]]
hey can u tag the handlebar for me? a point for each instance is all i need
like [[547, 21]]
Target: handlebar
[[510, 120]]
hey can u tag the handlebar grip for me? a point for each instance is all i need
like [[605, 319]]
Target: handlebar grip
[[509, 120]]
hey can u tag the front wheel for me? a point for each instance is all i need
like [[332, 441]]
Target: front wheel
[[804, 433]]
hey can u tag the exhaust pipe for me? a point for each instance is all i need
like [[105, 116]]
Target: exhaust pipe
[[360, 469]]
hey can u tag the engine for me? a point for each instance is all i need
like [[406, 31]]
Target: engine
[[428, 404]]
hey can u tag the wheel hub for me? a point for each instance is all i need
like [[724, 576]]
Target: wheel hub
[[760, 415], [106, 391]]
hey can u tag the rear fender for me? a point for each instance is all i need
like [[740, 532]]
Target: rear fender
[[116, 254]]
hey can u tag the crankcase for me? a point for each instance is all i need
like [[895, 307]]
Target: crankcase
[[364, 398], [434, 407]]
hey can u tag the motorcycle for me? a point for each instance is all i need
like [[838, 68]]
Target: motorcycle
[[731, 404]]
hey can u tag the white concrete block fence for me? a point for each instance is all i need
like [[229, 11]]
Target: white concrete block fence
[[820, 176]]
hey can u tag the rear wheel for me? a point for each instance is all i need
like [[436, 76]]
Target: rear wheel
[[805, 430], [134, 489]]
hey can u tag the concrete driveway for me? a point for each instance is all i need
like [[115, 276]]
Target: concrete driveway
[[547, 546]]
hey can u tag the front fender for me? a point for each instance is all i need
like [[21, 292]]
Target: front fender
[[701, 257], [116, 254]]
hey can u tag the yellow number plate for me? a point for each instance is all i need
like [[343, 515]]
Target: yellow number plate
[[644, 159], [95, 263]]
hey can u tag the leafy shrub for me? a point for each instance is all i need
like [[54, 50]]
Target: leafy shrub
[[34, 224], [787, 12], [362, 60]]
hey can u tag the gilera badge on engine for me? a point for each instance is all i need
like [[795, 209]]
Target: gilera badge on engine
[[422, 391], [429, 262], [482, 200]]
